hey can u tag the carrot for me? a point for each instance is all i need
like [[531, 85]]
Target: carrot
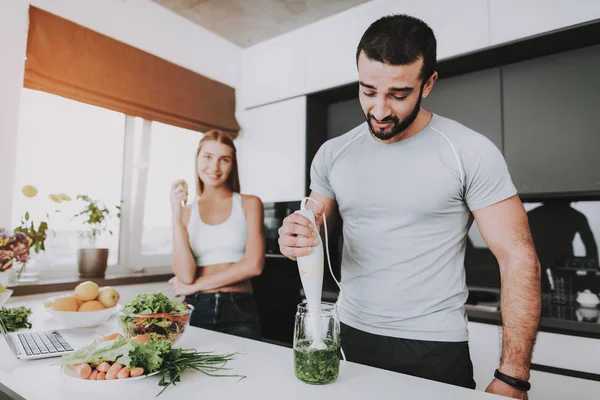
[[113, 371], [93, 376], [101, 376], [103, 366], [112, 336], [123, 373], [139, 371], [83, 371], [141, 338]]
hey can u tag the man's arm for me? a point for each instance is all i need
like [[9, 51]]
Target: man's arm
[[505, 229]]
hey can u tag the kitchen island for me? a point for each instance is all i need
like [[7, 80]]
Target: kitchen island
[[268, 369]]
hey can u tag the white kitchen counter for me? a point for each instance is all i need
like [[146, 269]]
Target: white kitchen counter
[[269, 370]]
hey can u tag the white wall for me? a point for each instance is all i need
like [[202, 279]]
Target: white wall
[[272, 150], [516, 19], [140, 23], [13, 32], [322, 55]]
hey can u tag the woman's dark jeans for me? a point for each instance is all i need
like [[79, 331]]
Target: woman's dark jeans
[[234, 313]]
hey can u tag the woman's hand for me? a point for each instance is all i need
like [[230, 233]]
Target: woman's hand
[[181, 289], [179, 194]]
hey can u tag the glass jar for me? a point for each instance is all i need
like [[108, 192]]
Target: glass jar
[[317, 344], [30, 271]]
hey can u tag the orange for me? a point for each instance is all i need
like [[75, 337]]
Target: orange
[[92, 305], [65, 303]]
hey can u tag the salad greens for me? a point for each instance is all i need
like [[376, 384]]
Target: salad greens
[[153, 356], [129, 353], [154, 303], [155, 315], [317, 366], [15, 318]]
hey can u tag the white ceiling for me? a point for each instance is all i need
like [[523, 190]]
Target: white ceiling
[[247, 22]]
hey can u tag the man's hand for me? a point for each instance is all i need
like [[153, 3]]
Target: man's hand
[[297, 235], [503, 389], [181, 289]]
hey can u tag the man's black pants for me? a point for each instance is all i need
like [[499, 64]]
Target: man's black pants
[[447, 362]]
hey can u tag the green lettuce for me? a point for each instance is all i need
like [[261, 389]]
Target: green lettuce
[[152, 303], [131, 354], [98, 351]]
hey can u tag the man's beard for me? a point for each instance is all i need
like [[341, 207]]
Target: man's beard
[[399, 126]]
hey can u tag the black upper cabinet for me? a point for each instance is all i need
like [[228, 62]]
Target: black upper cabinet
[[538, 100], [551, 129], [473, 99]]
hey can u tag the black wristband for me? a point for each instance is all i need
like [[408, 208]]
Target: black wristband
[[514, 382]]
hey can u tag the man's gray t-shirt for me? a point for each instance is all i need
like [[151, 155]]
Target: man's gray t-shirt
[[406, 211]]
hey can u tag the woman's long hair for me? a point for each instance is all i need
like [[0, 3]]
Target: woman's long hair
[[233, 180]]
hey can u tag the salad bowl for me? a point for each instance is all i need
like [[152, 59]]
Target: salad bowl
[[155, 316]]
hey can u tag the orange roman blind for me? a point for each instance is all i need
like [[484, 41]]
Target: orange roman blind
[[72, 61]]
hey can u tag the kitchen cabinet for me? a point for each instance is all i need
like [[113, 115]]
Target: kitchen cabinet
[[567, 352], [473, 99], [550, 108], [484, 346], [271, 150], [548, 386], [551, 350], [277, 294], [517, 19]]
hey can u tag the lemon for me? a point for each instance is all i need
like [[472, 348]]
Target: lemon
[[55, 198], [64, 197], [29, 191]]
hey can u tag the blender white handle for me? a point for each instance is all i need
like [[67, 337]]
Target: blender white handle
[[303, 208]]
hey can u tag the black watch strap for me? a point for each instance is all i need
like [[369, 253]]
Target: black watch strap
[[514, 382]]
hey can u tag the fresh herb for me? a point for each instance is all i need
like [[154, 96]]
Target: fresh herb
[[178, 360], [153, 356], [317, 366], [15, 318]]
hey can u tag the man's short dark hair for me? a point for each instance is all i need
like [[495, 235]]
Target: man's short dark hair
[[400, 40]]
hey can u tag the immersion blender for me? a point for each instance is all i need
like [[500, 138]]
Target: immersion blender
[[311, 275]]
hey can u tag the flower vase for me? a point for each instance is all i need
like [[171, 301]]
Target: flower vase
[[4, 279], [30, 271]]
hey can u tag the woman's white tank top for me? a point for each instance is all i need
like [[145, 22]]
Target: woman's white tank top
[[221, 243]]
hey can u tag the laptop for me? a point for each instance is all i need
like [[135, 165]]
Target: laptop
[[32, 345]]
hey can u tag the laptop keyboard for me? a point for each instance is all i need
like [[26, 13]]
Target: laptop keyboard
[[43, 343]]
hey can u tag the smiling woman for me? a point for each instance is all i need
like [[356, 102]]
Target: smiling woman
[[218, 241]]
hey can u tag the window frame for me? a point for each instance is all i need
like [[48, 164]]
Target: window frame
[[134, 180]]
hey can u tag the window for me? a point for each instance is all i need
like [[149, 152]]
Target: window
[[171, 157], [64, 146], [67, 147]]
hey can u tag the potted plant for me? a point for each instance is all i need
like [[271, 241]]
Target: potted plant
[[91, 260]]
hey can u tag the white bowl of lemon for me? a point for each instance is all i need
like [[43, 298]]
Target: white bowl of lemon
[[88, 306]]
